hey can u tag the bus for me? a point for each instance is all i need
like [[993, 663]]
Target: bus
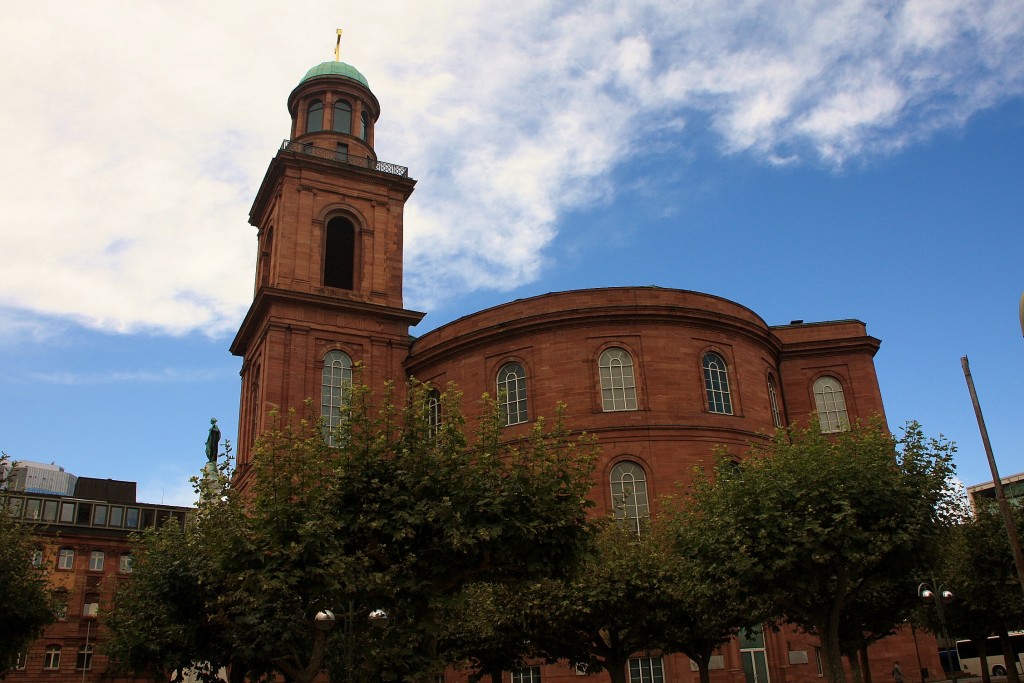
[[970, 662]]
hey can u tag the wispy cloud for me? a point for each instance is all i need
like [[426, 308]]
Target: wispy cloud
[[165, 376], [133, 166]]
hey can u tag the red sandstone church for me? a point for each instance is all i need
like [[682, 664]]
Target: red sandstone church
[[661, 376]]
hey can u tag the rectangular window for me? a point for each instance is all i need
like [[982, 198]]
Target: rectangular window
[[21, 662], [84, 660], [51, 659], [84, 513], [817, 661], [96, 561], [14, 506], [99, 515], [66, 559], [125, 567], [32, 507], [131, 518], [646, 670], [67, 513], [91, 608], [37, 558], [49, 511], [116, 515], [148, 518], [526, 674]]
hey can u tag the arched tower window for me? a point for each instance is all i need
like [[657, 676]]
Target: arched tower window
[[512, 393], [265, 253], [773, 401], [629, 493], [618, 388], [315, 116], [342, 122], [716, 384], [339, 253], [334, 388], [364, 126], [831, 405]]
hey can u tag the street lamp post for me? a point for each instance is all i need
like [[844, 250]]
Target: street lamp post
[[938, 597]]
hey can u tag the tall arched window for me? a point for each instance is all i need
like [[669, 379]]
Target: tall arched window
[[828, 398], [364, 126], [629, 493], [342, 117], [339, 253], [334, 388], [433, 411], [315, 116], [716, 384], [773, 401], [512, 393], [618, 388]]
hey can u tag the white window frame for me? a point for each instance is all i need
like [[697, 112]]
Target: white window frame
[[125, 563], [51, 658], [630, 500], [831, 405], [335, 386], [66, 559], [716, 383], [525, 674], [97, 558], [618, 384], [773, 401], [84, 658], [511, 387], [433, 412], [646, 670]]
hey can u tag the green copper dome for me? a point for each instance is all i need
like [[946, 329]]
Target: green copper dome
[[335, 69]]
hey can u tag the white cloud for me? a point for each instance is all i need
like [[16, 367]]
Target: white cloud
[[137, 133]]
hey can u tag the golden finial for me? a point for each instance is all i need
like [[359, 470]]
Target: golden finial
[[337, 47]]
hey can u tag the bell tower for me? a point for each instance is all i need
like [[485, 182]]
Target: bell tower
[[328, 291]]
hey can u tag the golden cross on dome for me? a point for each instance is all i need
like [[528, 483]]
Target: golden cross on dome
[[337, 47]]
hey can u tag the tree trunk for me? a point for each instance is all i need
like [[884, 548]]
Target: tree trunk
[[855, 673], [617, 670], [1009, 656], [865, 663], [982, 645], [703, 668], [831, 652]]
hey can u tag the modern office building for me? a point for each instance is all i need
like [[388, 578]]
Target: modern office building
[[82, 537]]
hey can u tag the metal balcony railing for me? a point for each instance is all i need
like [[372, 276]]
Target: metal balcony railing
[[345, 158]]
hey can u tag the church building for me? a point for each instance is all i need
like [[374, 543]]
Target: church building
[[660, 376]]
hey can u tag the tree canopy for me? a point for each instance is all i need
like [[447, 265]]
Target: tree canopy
[[815, 523], [396, 516]]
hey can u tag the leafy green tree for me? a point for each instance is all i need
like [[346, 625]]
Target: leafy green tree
[[162, 624], [396, 516], [714, 603], [977, 566], [27, 603], [488, 631], [814, 522], [632, 593]]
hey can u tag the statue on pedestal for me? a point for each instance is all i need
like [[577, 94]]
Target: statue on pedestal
[[213, 442]]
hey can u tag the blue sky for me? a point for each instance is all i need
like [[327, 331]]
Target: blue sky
[[811, 161]]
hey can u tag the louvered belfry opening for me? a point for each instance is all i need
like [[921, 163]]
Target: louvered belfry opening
[[339, 257]]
